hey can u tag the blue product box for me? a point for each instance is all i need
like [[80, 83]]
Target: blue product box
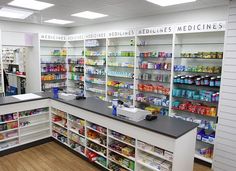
[[211, 138], [200, 134]]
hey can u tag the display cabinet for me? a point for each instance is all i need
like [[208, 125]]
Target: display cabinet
[[53, 54], [95, 66], [196, 85], [120, 65], [153, 72], [75, 68]]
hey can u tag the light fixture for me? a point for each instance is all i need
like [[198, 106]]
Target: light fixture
[[89, 15], [169, 2], [57, 21], [14, 13], [31, 4]]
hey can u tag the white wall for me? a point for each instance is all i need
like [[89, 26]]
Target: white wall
[[9, 26], [207, 14], [225, 145]]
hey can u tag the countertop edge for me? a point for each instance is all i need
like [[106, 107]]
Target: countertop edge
[[111, 117]]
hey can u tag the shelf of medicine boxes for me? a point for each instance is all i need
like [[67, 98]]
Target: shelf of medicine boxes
[[53, 65], [59, 125], [121, 60], [75, 60], [204, 145], [34, 124], [76, 127], [121, 151], [157, 155], [154, 58], [109, 147], [96, 142], [95, 59], [9, 131], [199, 60]]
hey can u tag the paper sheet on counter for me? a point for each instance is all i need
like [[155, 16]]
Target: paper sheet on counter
[[27, 96]]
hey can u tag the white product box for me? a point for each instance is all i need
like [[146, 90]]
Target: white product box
[[133, 114], [168, 155], [166, 166]]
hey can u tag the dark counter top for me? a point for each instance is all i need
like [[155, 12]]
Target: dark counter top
[[11, 100], [167, 126]]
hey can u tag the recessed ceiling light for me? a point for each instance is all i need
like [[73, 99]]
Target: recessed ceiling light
[[169, 2], [57, 21], [14, 13], [31, 4], [89, 15]]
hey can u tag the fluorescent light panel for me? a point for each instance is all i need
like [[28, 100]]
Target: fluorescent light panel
[[89, 15], [169, 2], [31, 4], [57, 21], [14, 13]]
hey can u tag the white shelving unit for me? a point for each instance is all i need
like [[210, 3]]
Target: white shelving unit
[[53, 54], [60, 126], [153, 65], [201, 55], [108, 148], [34, 124], [153, 70], [23, 127], [75, 61], [9, 132], [120, 66], [95, 65]]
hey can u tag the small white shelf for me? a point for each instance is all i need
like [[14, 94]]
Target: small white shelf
[[58, 115], [35, 132], [8, 139], [35, 124], [120, 164], [60, 141], [148, 166], [211, 143], [121, 141], [99, 153], [38, 114], [9, 121], [128, 157], [154, 154], [78, 152], [72, 130], [96, 130], [16, 145], [59, 124], [208, 160], [101, 165], [33, 140], [59, 132], [96, 142], [9, 130], [74, 122], [77, 142]]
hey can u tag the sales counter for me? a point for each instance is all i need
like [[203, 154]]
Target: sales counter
[[89, 128]]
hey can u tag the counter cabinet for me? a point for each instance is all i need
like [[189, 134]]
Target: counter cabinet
[[108, 142]]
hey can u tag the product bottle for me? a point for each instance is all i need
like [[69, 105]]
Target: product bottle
[[114, 107]]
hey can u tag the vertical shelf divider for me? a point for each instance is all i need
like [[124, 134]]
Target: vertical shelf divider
[[172, 71]]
